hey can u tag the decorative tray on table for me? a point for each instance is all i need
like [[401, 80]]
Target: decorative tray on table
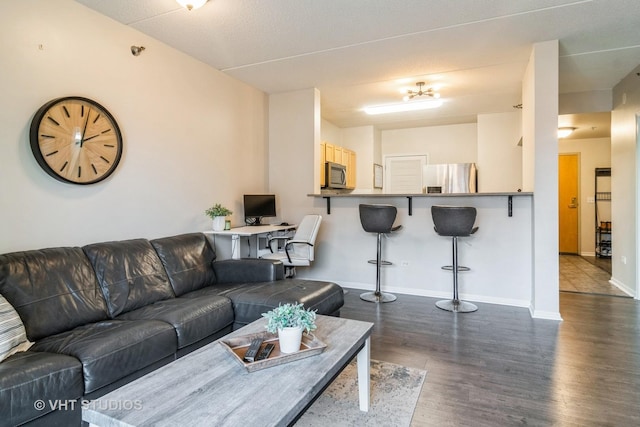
[[238, 346]]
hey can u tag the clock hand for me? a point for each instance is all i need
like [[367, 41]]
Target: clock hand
[[86, 122], [91, 137]]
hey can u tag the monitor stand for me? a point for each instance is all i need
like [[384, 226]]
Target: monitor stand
[[256, 221]]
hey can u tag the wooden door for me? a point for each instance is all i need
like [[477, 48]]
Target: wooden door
[[568, 205]]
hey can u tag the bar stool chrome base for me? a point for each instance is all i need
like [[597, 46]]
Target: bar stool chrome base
[[377, 297], [456, 306]]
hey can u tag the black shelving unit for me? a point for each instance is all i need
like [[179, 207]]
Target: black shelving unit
[[603, 226]]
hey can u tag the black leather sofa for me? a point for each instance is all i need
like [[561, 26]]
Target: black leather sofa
[[107, 313]]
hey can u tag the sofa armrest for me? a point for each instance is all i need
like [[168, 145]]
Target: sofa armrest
[[248, 270]]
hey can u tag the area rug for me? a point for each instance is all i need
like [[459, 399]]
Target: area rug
[[394, 395]]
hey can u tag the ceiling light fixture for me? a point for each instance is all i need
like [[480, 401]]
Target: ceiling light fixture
[[429, 92], [191, 4], [565, 132], [408, 106]]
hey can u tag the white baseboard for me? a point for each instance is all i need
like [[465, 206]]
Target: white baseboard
[[624, 288], [593, 254], [436, 294], [547, 315]]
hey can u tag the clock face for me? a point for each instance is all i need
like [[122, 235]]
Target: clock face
[[76, 140]]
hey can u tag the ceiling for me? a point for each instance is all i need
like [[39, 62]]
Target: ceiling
[[362, 52]]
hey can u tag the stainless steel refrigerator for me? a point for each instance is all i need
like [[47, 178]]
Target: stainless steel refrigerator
[[451, 178]]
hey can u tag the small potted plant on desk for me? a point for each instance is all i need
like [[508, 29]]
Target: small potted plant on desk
[[218, 213], [289, 321]]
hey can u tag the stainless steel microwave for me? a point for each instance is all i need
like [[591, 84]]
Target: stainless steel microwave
[[335, 175]]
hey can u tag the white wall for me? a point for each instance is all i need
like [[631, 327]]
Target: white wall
[[192, 136], [443, 144], [330, 133], [594, 153], [624, 181], [294, 145], [499, 156]]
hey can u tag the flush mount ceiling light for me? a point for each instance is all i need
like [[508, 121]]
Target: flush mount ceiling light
[[405, 106], [565, 132], [428, 92], [191, 4]]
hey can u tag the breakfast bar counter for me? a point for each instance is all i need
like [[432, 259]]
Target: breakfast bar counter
[[499, 254], [328, 195]]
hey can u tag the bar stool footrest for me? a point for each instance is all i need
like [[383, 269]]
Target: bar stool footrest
[[374, 262], [460, 268]]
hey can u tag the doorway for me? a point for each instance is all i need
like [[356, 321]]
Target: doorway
[[568, 205], [578, 274]]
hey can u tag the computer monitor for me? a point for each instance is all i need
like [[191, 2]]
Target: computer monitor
[[258, 206]]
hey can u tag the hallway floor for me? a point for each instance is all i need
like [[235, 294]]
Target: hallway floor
[[581, 276]]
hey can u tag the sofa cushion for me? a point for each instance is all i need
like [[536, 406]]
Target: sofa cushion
[[193, 319], [248, 270], [187, 261], [53, 290], [112, 349], [12, 332], [250, 300], [129, 273], [27, 377]]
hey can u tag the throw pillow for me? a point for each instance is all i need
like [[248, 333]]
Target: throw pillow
[[12, 333]]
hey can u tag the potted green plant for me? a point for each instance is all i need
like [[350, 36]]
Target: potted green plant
[[289, 321], [218, 213]]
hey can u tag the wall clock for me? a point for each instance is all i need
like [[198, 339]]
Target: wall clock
[[76, 140]]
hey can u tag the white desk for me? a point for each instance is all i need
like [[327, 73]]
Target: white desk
[[249, 231]]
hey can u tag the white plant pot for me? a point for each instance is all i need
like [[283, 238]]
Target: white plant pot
[[290, 339], [218, 223]]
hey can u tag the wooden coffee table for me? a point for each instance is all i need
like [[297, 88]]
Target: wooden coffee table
[[208, 387]]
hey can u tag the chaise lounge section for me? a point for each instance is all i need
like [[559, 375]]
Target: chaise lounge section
[[104, 314]]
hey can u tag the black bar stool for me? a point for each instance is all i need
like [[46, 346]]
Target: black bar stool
[[454, 222], [378, 219]]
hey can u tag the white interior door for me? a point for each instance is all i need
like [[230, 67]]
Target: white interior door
[[404, 174]]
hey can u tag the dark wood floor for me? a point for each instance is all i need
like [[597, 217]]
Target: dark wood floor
[[499, 367]]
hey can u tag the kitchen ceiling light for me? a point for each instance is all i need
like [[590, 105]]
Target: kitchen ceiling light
[[429, 92], [191, 4], [565, 132], [408, 106]]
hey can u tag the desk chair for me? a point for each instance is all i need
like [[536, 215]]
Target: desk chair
[[454, 222], [299, 250]]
